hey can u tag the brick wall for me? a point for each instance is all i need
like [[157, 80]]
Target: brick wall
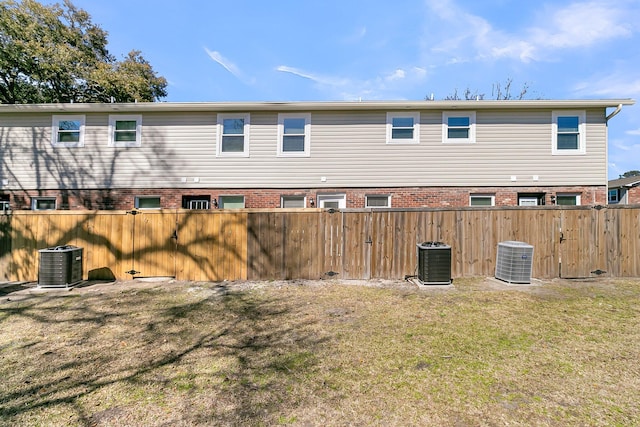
[[633, 195], [433, 197]]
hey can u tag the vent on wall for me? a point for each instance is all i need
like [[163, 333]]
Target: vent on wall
[[434, 263], [514, 262]]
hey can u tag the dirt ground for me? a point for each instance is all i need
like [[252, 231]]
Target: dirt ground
[[15, 291]]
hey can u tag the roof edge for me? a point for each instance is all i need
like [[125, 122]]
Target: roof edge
[[312, 105]]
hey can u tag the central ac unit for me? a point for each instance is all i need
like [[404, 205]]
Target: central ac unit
[[514, 262], [434, 263], [60, 266]]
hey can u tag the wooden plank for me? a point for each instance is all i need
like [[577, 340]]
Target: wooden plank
[[5, 247], [333, 249], [356, 233]]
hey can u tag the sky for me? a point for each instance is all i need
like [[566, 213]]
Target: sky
[[320, 50]]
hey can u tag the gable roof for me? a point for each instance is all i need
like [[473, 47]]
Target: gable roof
[[310, 106], [631, 181]]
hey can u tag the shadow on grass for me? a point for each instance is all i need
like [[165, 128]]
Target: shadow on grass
[[232, 354], [9, 288]]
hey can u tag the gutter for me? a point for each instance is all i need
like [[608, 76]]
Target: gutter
[[616, 111], [208, 107]]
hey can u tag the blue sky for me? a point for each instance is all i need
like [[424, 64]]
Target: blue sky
[[290, 50]]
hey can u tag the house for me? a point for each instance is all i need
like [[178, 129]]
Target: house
[[305, 154], [624, 191]]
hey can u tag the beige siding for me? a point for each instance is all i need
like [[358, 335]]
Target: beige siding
[[347, 148]]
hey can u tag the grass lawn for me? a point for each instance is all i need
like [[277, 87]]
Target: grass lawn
[[323, 353]]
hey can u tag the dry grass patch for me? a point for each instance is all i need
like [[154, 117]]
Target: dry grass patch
[[323, 353]]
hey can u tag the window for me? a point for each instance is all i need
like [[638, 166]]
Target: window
[[530, 199], [403, 128], [231, 202], [377, 201], [614, 195], [147, 202], [4, 203], [335, 201], [233, 135], [196, 202], [482, 200], [125, 131], [459, 126], [67, 131], [568, 199], [43, 203], [293, 201], [293, 135], [568, 132]]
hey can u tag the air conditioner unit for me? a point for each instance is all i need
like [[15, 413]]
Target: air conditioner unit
[[514, 262], [60, 267], [434, 263]]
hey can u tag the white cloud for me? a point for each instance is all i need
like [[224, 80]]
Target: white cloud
[[377, 87], [419, 72], [228, 65], [634, 132], [621, 156], [618, 84], [356, 36], [580, 24], [625, 145], [296, 72], [398, 74], [323, 80]]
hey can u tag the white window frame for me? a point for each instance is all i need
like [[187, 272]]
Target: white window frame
[[415, 115], [341, 198], [138, 198], [223, 196], [527, 201], [113, 118], [293, 197], [582, 136], [55, 130], [377, 196], [615, 199], [471, 138], [220, 135], [307, 134], [576, 195], [4, 206], [482, 196], [36, 200]]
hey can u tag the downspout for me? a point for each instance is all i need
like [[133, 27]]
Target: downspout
[[616, 111], [606, 120]]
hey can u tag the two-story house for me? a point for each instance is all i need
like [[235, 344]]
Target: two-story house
[[625, 191], [305, 154]]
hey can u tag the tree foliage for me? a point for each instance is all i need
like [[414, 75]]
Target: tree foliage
[[629, 174], [499, 91], [55, 53]]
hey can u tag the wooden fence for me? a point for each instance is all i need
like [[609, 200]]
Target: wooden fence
[[314, 243]]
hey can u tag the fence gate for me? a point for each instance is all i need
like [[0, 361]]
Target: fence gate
[[356, 261], [150, 244], [580, 250]]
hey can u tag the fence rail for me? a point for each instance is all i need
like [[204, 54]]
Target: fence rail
[[309, 244]]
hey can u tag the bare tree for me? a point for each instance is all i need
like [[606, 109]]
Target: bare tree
[[499, 91]]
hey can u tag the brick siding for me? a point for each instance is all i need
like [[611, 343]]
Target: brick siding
[[633, 195], [404, 197]]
